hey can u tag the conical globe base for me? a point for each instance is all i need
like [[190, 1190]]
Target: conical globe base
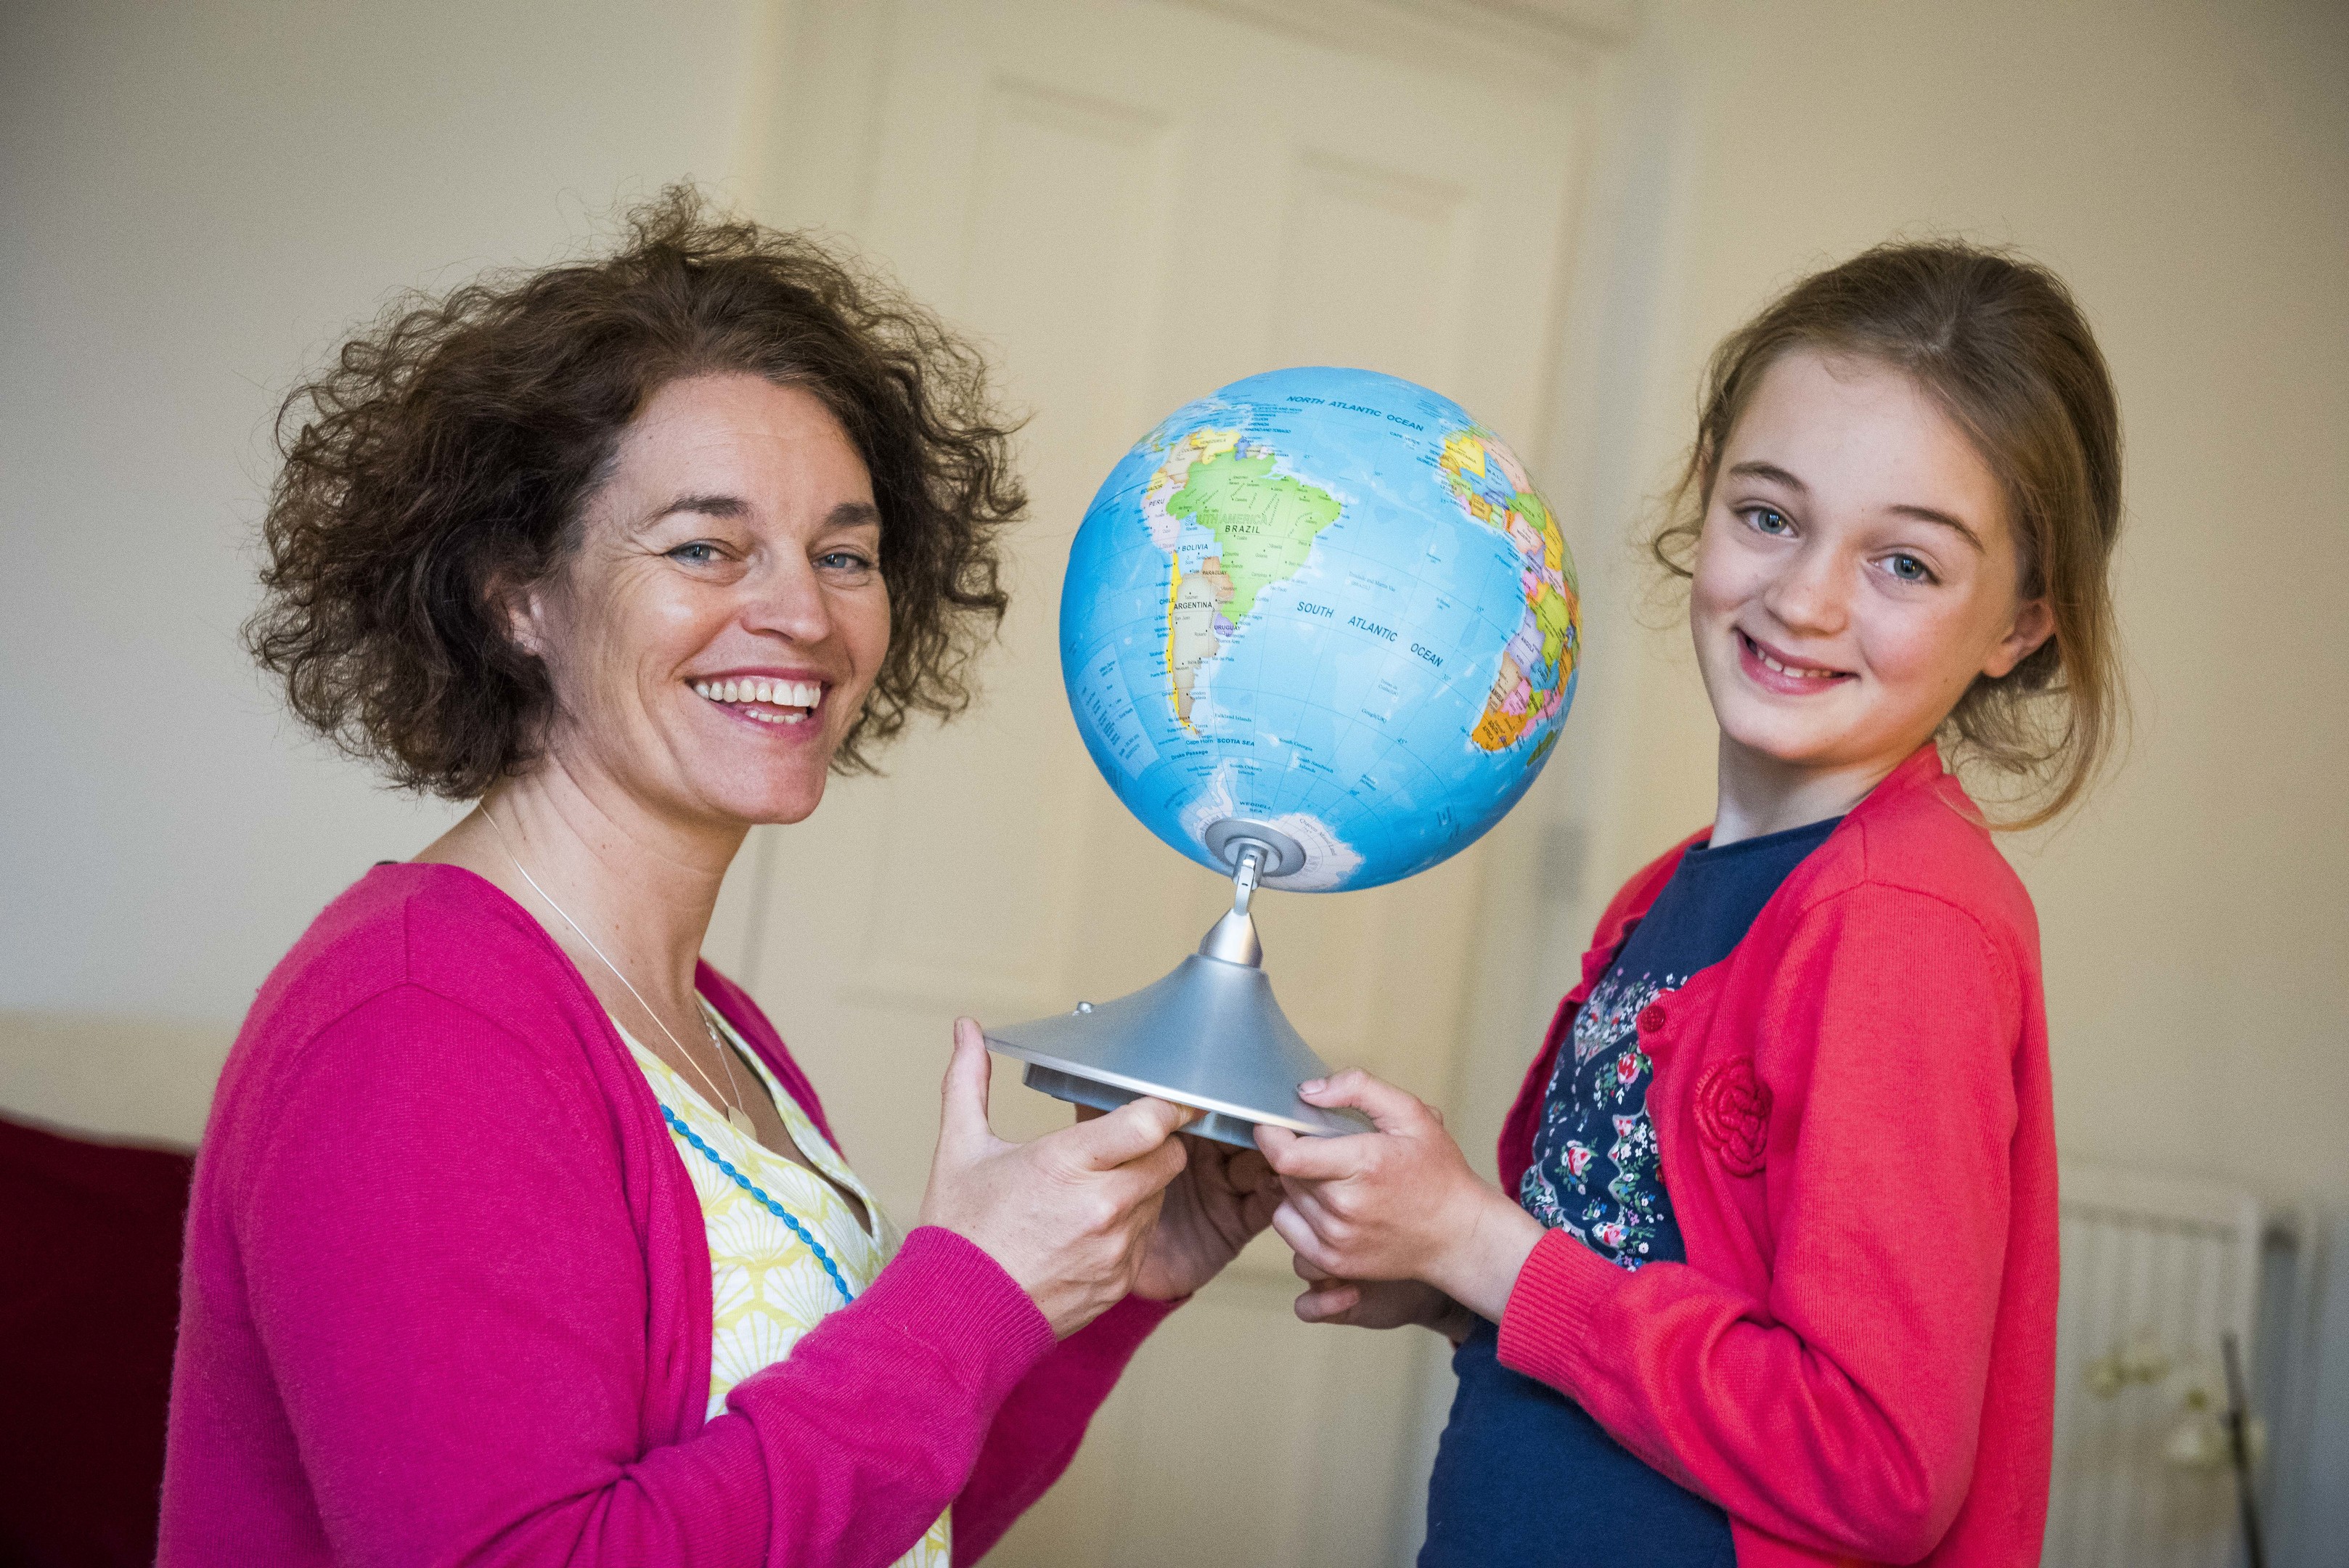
[[1210, 1034]]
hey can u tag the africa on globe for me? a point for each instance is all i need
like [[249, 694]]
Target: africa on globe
[[1330, 603]]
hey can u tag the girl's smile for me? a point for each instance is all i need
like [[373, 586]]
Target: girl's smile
[[1776, 670]]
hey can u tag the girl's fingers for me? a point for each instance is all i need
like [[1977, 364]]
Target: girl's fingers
[[1310, 1208], [1389, 1109], [1326, 1305], [1258, 1207], [1313, 1159], [1291, 1228], [1270, 1139]]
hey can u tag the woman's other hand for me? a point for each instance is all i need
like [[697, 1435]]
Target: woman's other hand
[[1068, 1216], [1380, 1303], [1224, 1197], [1399, 1203]]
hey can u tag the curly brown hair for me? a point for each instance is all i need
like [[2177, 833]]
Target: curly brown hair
[[448, 451], [2000, 343]]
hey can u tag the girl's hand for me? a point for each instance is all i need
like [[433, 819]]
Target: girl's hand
[[1224, 1197], [1380, 1303], [1067, 1216], [1399, 1203]]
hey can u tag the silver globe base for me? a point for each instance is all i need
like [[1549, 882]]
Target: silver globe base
[[1209, 1035]]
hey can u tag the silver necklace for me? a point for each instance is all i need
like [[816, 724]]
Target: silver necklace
[[736, 1117]]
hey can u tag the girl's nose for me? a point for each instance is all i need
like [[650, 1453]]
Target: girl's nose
[[1808, 594]]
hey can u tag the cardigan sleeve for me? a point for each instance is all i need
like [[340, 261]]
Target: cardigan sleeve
[[441, 1261], [1840, 1410]]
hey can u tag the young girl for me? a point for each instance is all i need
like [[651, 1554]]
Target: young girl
[[1770, 1276]]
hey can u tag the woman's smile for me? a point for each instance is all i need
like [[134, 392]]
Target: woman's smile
[[765, 697]]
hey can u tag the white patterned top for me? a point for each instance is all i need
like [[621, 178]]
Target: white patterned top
[[766, 1285]]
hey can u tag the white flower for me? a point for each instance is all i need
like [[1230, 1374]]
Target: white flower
[[801, 1293], [729, 1290], [751, 1347], [746, 1230]]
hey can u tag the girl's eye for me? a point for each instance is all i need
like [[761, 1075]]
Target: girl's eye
[[1910, 569], [1769, 520]]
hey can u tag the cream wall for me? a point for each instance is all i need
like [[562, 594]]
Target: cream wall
[[195, 199]]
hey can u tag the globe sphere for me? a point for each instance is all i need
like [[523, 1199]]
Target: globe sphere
[[1326, 606]]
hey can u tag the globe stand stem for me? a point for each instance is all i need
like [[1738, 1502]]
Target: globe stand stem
[[1209, 1035]]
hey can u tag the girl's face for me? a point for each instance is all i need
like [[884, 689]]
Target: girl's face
[[1855, 572], [717, 632]]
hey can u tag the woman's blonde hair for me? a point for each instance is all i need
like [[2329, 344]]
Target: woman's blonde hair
[[2000, 343]]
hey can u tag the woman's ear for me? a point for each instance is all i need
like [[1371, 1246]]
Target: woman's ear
[[2034, 623], [521, 611]]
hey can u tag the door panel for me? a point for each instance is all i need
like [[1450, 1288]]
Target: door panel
[[1130, 204], [1362, 246]]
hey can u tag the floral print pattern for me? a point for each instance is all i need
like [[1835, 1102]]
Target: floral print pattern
[[1596, 1172]]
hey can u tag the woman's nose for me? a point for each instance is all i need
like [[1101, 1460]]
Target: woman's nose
[[788, 597]]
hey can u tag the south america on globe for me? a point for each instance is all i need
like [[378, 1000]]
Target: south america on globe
[[1326, 601]]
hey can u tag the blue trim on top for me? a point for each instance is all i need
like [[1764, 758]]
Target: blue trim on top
[[677, 1125]]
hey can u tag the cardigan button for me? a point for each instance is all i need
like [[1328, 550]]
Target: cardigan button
[[1652, 1018]]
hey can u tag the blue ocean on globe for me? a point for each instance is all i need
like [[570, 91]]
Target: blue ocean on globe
[[1328, 601]]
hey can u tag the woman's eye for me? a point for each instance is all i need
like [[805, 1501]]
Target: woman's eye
[[700, 553], [1769, 520], [1910, 569], [844, 561]]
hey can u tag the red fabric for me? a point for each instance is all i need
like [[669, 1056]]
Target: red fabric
[[90, 1236], [447, 1296], [1853, 1109]]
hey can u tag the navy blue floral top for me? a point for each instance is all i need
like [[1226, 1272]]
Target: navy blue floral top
[[1523, 1476]]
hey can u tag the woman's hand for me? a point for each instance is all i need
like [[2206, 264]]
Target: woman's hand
[[1067, 1216], [1224, 1197], [1399, 1203], [1380, 1303]]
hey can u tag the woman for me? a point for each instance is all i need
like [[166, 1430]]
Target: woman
[[517, 1236]]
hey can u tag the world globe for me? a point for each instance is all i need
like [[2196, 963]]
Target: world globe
[[1329, 605]]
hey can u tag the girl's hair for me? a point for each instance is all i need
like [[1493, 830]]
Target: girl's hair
[[1999, 342], [448, 451]]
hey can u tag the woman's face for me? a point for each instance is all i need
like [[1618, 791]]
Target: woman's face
[[1856, 570], [717, 631]]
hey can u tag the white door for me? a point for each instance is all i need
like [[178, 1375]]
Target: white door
[[1132, 204]]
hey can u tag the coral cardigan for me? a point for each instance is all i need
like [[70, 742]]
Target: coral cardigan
[[446, 1296], [1857, 1359]]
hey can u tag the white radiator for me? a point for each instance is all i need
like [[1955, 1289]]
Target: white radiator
[[2154, 1271]]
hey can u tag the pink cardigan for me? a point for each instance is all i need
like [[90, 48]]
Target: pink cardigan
[[1857, 1359], [446, 1296]]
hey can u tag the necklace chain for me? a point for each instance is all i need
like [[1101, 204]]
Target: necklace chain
[[733, 1103]]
